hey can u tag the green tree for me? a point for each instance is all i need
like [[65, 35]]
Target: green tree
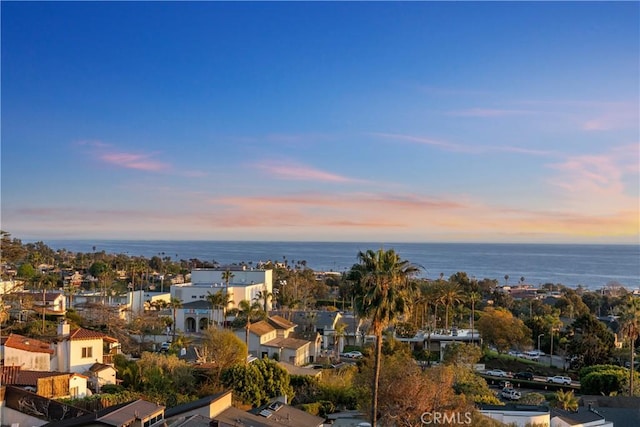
[[498, 327], [222, 347], [630, 329], [381, 292], [26, 271], [461, 354], [258, 382], [592, 340]]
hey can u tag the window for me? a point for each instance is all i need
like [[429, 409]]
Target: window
[[87, 352]]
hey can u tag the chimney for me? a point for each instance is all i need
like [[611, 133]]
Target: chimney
[[63, 328]]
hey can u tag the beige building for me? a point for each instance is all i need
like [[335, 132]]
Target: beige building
[[28, 353]]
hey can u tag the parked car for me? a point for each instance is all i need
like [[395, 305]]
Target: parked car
[[558, 379], [523, 376], [497, 373], [353, 355], [165, 346], [511, 394]]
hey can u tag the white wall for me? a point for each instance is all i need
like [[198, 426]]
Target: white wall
[[28, 360]]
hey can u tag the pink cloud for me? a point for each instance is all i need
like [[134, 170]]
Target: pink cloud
[[293, 171], [134, 161], [490, 112]]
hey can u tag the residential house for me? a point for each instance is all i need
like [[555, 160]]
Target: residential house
[[79, 349], [28, 353], [283, 326], [264, 342], [53, 303], [52, 385], [583, 417], [517, 415], [217, 411], [100, 375], [139, 413]]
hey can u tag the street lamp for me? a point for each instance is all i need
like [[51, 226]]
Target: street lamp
[[541, 335]]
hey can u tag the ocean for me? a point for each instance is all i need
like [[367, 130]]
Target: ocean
[[592, 266]]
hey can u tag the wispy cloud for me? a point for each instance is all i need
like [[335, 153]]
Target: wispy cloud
[[490, 112], [462, 148], [597, 182], [134, 161], [422, 140], [297, 171]]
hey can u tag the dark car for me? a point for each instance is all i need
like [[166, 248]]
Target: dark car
[[524, 376]]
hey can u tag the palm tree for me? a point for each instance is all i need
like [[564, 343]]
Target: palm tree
[[247, 310], [381, 295], [338, 334], [214, 301], [630, 328], [264, 296], [566, 400], [450, 295], [175, 304], [474, 297], [227, 275]]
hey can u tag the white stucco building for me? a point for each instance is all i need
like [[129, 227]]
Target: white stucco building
[[28, 353], [245, 284], [79, 349]]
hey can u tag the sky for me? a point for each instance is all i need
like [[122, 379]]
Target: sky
[[321, 121]]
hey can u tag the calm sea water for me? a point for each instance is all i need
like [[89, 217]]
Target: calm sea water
[[592, 266]]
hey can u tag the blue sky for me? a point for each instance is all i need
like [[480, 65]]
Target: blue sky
[[331, 121]]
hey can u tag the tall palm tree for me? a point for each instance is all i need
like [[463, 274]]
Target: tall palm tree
[[451, 295], [175, 304], [382, 280], [247, 310], [630, 328], [264, 296], [214, 301], [474, 297]]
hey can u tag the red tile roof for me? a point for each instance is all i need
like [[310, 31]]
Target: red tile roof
[[86, 334], [27, 344]]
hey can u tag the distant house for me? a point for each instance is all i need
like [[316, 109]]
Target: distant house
[[28, 353], [79, 349]]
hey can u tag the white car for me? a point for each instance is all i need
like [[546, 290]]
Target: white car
[[497, 373], [559, 380], [353, 355], [511, 394]]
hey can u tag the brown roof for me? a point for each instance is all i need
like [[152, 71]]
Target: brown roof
[[37, 296], [32, 377], [280, 322], [86, 334], [27, 344], [261, 328], [97, 367]]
